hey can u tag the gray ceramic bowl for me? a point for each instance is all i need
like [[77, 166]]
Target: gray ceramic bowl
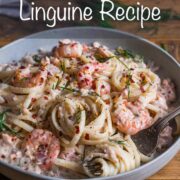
[[113, 38]]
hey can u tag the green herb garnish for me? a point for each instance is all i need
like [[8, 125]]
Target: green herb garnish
[[129, 54], [77, 90], [118, 142], [66, 85], [138, 59], [54, 86], [129, 76], [125, 65], [128, 83], [36, 58], [71, 89], [93, 93], [102, 59], [24, 79], [125, 53], [63, 67], [78, 116], [3, 125]]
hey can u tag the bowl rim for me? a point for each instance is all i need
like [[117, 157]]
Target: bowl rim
[[144, 166]]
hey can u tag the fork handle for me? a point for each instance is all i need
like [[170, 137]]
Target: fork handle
[[162, 123]]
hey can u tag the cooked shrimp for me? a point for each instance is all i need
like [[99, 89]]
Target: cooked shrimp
[[26, 79], [87, 73], [84, 76], [130, 117], [42, 146], [69, 50]]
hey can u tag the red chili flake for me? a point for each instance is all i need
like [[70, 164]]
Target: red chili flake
[[74, 44], [125, 103], [34, 116], [49, 74], [133, 102], [33, 100], [131, 80], [86, 67], [80, 74], [87, 136], [107, 101], [96, 70], [94, 86], [47, 92], [67, 77], [77, 130], [46, 98], [42, 80], [142, 76], [142, 89], [102, 86], [86, 81], [13, 138], [22, 67]]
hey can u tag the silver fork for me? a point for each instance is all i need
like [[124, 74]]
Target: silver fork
[[146, 140]]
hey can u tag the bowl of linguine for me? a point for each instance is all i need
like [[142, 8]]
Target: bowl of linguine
[[71, 98]]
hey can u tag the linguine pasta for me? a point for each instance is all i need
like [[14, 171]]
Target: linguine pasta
[[73, 110]]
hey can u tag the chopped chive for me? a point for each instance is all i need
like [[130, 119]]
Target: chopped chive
[[93, 93], [77, 90], [125, 53], [129, 54], [118, 142], [3, 125], [102, 59], [128, 83], [63, 67]]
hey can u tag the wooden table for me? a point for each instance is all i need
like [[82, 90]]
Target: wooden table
[[166, 33]]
